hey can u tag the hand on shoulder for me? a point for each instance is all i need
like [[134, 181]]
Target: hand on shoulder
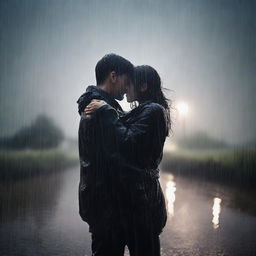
[[93, 106]]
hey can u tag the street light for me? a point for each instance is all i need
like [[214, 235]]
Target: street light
[[182, 108]]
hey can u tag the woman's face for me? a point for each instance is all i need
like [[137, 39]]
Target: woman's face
[[131, 94]]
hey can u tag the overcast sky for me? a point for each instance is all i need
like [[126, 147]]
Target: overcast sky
[[204, 50]]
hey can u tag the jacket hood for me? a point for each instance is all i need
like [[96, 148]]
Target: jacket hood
[[94, 92]]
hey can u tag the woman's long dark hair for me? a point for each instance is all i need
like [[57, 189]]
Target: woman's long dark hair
[[147, 75]]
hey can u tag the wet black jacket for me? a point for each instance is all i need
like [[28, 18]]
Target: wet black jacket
[[96, 201], [139, 135], [137, 141], [119, 156]]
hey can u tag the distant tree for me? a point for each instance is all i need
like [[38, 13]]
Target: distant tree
[[201, 140], [41, 134]]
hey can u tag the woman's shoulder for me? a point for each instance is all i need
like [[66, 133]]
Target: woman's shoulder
[[147, 108], [152, 107]]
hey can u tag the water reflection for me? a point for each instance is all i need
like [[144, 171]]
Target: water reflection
[[170, 194], [39, 216], [216, 212]]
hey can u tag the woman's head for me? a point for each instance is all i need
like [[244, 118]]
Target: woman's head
[[148, 86]]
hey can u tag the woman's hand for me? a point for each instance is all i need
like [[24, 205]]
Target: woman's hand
[[94, 105]]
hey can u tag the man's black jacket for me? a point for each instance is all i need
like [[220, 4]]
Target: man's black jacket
[[96, 190], [119, 156]]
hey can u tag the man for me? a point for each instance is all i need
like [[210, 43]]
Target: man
[[98, 193]]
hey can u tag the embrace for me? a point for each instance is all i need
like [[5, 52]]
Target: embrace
[[120, 196]]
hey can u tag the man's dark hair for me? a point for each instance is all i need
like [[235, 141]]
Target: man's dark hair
[[112, 62]]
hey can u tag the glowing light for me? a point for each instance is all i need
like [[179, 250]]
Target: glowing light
[[183, 108], [216, 209], [170, 195], [170, 147], [173, 147]]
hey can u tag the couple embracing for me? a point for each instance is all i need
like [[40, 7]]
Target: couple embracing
[[120, 196]]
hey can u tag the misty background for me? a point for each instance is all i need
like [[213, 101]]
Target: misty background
[[204, 51]]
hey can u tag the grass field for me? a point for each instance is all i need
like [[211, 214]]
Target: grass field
[[24, 163], [235, 166]]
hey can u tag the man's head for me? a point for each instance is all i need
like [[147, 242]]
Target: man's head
[[115, 74]]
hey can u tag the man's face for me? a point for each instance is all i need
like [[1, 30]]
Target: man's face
[[122, 83]]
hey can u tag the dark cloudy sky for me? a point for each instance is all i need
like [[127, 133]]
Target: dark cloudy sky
[[204, 50]]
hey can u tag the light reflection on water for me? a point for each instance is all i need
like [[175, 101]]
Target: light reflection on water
[[170, 194], [196, 209], [170, 198], [216, 209]]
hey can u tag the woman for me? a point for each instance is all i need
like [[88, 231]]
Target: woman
[[137, 150]]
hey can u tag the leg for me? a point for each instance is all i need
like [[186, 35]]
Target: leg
[[108, 243], [143, 242]]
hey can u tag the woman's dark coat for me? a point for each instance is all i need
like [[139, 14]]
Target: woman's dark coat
[[119, 158], [136, 143]]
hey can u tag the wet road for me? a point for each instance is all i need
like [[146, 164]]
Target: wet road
[[39, 216]]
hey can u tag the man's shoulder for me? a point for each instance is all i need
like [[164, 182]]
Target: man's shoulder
[[90, 93]]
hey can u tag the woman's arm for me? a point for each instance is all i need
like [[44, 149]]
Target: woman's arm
[[145, 134]]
